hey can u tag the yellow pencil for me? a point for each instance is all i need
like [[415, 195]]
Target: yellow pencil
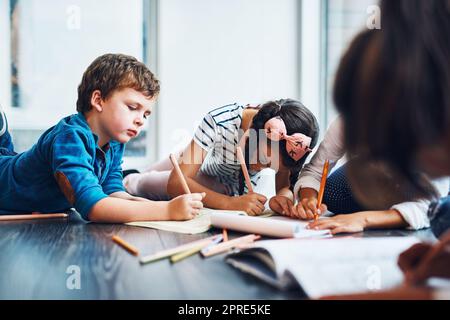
[[173, 251], [182, 255]]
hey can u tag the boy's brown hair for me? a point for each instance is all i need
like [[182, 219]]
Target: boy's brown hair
[[111, 72]]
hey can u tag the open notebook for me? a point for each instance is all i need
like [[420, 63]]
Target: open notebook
[[268, 224], [325, 267], [200, 224]]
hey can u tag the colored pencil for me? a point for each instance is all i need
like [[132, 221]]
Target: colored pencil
[[216, 241], [185, 254], [225, 235], [225, 246], [180, 175], [170, 252], [131, 249], [33, 216], [323, 182], [241, 159]]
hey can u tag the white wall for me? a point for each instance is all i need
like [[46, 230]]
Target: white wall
[[5, 93], [311, 63], [215, 52], [345, 19], [54, 51]]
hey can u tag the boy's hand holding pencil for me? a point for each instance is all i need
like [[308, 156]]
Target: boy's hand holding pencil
[[187, 206]]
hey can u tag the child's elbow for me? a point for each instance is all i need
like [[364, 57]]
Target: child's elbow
[[96, 214]]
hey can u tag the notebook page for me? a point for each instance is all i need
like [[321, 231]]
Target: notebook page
[[199, 224], [340, 266]]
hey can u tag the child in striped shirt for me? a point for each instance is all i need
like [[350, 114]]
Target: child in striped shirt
[[278, 135]]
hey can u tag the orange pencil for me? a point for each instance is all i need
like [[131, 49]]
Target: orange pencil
[[34, 216], [322, 186], [131, 249], [174, 161], [225, 235], [241, 159]]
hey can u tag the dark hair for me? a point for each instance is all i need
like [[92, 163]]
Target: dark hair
[[392, 88], [111, 72], [298, 119]]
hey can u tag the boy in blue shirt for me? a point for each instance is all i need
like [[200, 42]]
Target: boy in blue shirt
[[77, 163]]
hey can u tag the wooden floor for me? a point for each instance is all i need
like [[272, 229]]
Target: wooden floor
[[35, 257]]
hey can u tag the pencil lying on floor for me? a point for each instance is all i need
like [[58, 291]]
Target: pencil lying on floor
[[241, 159], [225, 246], [170, 252], [184, 254], [323, 182], [131, 249], [34, 216], [180, 175], [215, 242]]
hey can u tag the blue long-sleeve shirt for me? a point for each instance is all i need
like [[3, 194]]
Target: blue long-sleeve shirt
[[64, 169]]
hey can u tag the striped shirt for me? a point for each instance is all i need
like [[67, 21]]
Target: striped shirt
[[219, 134]]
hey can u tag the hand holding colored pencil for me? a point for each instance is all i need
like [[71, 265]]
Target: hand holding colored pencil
[[323, 182], [255, 202], [179, 173], [194, 199]]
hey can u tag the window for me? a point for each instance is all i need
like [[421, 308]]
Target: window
[[343, 19], [51, 43]]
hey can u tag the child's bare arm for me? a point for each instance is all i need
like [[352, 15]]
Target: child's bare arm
[[126, 196], [213, 199], [116, 210], [193, 157], [282, 183], [283, 202], [251, 203], [360, 221], [307, 193]]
